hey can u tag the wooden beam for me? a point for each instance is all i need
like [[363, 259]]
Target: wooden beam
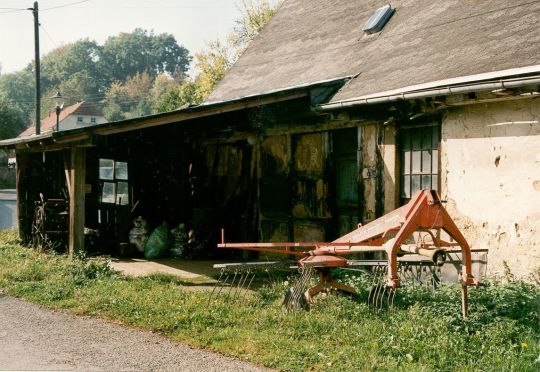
[[67, 170], [77, 200], [23, 214], [49, 145], [171, 118]]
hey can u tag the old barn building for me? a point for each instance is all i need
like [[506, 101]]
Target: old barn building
[[320, 126]]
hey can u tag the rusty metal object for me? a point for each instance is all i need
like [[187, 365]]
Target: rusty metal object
[[421, 221]]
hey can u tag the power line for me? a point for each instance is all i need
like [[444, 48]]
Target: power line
[[12, 10], [49, 36], [65, 5]]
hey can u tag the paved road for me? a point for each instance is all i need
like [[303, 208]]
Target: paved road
[[35, 338]]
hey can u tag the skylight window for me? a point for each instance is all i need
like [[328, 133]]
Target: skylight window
[[377, 21]]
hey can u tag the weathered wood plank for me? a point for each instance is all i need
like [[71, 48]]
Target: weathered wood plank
[[22, 191], [77, 200]]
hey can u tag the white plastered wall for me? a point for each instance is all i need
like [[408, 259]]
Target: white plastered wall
[[490, 175]]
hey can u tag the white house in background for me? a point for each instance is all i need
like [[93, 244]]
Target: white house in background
[[81, 114]]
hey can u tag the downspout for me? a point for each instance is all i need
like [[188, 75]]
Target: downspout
[[444, 91]]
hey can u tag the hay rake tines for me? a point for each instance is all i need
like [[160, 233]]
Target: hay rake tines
[[235, 280], [420, 221], [295, 295]]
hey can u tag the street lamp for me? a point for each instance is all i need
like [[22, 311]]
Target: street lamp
[[58, 99]]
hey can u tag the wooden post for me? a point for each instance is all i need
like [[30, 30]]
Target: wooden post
[[77, 200], [22, 197]]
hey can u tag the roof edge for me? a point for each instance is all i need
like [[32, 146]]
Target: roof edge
[[169, 117], [334, 80], [442, 87]]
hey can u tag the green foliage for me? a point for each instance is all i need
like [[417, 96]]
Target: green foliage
[[219, 56], [254, 18], [423, 332], [177, 96], [12, 118], [129, 54], [129, 99], [18, 89], [131, 74], [85, 70]]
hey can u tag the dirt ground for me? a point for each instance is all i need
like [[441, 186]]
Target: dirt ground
[[189, 270], [32, 338]]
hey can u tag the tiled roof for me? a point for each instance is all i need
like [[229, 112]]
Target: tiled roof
[[313, 40], [48, 124]]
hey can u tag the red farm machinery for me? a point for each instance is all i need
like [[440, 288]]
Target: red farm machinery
[[422, 228]]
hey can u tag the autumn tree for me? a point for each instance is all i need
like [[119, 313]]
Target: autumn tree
[[213, 63]]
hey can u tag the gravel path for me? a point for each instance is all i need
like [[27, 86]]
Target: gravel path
[[35, 338]]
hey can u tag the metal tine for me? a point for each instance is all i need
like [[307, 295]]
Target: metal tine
[[239, 283], [224, 283], [253, 274], [374, 274], [375, 286], [307, 275], [222, 272], [232, 285], [391, 298], [250, 275], [382, 287], [298, 287], [243, 279]]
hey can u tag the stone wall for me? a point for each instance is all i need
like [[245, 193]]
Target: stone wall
[[490, 175]]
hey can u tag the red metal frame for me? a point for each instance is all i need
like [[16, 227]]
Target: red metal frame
[[424, 213]]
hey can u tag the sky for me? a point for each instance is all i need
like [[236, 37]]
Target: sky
[[194, 23]]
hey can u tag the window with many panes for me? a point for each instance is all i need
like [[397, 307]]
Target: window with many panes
[[419, 150], [113, 176]]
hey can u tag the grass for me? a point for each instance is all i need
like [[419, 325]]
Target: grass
[[423, 333]]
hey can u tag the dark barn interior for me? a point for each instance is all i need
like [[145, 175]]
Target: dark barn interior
[[274, 172]]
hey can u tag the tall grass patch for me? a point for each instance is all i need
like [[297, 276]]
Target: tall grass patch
[[423, 332]]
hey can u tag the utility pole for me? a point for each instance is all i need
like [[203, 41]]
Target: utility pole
[[37, 67]]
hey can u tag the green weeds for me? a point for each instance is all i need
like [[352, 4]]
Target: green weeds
[[423, 332]]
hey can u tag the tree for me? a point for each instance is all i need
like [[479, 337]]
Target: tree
[[129, 99], [19, 90], [255, 16], [77, 62], [141, 51], [213, 63], [12, 119], [186, 94]]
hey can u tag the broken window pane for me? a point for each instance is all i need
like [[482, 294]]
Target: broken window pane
[[121, 170], [107, 194], [106, 168], [122, 193]]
